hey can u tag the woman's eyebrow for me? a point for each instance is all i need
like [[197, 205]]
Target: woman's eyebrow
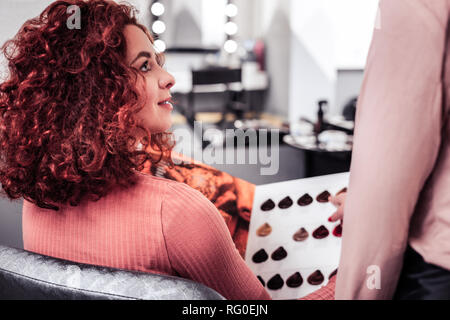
[[142, 54]]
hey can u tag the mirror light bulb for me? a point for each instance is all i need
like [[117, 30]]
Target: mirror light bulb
[[230, 46], [160, 45], [231, 10], [158, 27], [157, 9]]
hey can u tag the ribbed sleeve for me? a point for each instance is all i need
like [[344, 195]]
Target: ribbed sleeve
[[200, 247]]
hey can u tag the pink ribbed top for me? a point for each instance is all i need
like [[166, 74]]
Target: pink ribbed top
[[158, 226]]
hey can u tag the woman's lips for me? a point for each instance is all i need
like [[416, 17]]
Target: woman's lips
[[166, 105]]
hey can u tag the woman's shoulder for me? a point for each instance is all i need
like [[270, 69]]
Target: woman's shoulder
[[149, 179], [178, 198], [175, 190]]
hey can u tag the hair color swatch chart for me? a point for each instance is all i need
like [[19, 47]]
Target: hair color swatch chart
[[292, 247]]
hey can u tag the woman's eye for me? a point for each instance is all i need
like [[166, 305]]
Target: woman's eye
[[145, 67]]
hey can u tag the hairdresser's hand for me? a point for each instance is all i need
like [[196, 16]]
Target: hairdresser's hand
[[339, 202]]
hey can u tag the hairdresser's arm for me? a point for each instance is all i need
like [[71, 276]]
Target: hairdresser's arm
[[397, 139]]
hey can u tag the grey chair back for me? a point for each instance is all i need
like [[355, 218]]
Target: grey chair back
[[27, 275]]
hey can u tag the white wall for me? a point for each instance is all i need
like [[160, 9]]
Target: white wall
[[13, 13], [313, 58], [213, 22], [353, 22], [277, 35], [304, 52], [348, 86], [327, 35], [346, 24], [194, 22], [246, 19]]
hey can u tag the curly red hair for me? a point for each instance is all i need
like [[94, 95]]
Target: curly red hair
[[67, 109]]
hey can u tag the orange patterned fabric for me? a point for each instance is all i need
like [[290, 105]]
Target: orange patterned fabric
[[233, 197]]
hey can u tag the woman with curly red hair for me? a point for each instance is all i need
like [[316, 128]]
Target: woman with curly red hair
[[74, 112], [69, 109]]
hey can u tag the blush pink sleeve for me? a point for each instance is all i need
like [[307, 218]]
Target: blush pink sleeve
[[324, 293], [397, 140], [200, 246]]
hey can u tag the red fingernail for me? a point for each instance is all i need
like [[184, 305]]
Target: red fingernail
[[329, 219]]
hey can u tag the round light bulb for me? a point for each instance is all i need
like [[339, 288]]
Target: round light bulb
[[231, 10], [230, 46], [160, 45], [158, 27], [157, 9], [231, 28]]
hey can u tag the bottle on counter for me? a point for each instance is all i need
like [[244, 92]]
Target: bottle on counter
[[323, 105]]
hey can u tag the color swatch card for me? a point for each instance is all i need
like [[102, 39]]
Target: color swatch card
[[292, 247]]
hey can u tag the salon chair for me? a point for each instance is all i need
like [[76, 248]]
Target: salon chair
[[227, 82], [27, 275], [217, 79]]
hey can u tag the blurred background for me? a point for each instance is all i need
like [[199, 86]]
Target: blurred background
[[291, 65]]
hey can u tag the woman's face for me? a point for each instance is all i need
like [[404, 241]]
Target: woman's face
[[140, 55]]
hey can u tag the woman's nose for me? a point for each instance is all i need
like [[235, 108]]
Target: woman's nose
[[166, 81]]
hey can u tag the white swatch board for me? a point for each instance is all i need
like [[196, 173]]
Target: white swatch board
[[292, 247]]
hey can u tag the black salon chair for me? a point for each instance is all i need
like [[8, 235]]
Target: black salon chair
[[217, 79], [26, 275]]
